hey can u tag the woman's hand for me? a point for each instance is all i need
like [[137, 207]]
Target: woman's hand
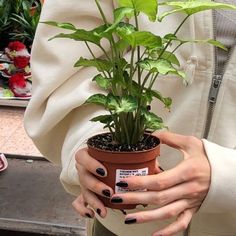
[[88, 168], [178, 192]]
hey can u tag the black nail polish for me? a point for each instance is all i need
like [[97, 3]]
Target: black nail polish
[[88, 215], [100, 171], [122, 184], [106, 192], [161, 168], [116, 200], [130, 221], [123, 211], [98, 211]]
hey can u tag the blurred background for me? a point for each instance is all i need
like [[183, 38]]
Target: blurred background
[[32, 200]]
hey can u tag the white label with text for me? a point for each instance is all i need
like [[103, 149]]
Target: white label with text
[[120, 174]]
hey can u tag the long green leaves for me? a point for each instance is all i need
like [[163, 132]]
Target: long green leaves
[[127, 85]]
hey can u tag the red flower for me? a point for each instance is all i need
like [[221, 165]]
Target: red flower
[[16, 46], [17, 80], [21, 62]]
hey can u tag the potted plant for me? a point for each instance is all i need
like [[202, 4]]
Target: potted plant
[[26, 21], [18, 20], [127, 84], [6, 9]]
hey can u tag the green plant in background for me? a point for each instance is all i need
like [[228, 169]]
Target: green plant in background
[[128, 84], [26, 22], [6, 8], [17, 22]]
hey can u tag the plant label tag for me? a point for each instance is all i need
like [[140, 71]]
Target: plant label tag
[[120, 174]]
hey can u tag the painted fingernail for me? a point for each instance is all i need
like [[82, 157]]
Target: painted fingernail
[[123, 211], [88, 215], [106, 192], [98, 211], [100, 171], [122, 184], [116, 200], [161, 170], [130, 221]]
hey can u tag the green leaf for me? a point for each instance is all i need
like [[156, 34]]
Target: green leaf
[[105, 119], [124, 104], [98, 99], [112, 102], [68, 26], [152, 121], [136, 88], [100, 64], [80, 35], [127, 104], [210, 41], [192, 7], [119, 15], [167, 101], [103, 32], [161, 65], [143, 38], [101, 81], [93, 36], [122, 45], [148, 7], [124, 29], [154, 54]]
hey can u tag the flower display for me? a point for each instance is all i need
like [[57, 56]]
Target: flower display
[[16, 46], [17, 79], [21, 62], [15, 69]]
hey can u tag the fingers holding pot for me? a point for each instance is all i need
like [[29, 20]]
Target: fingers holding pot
[[90, 182], [84, 159], [86, 201]]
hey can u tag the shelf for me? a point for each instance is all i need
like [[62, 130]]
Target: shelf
[[14, 102]]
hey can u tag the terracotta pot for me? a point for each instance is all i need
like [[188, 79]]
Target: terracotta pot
[[121, 164]]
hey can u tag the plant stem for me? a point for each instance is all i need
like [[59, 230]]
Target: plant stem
[[101, 12], [170, 40], [138, 61], [94, 56], [104, 51], [176, 31], [176, 48], [127, 138]]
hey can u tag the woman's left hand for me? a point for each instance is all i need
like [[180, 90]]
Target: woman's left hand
[[178, 192]]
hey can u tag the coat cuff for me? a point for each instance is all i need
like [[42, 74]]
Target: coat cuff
[[222, 192]]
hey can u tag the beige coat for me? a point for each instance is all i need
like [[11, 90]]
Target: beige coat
[[59, 125]]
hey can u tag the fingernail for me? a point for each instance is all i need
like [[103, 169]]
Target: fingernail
[[99, 211], [122, 184], [106, 192], [100, 171], [88, 215], [130, 221], [123, 211], [161, 170], [116, 200]]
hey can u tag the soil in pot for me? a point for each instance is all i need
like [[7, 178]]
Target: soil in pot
[[123, 160]]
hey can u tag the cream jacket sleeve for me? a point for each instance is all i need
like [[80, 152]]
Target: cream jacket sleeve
[[55, 118], [221, 197]]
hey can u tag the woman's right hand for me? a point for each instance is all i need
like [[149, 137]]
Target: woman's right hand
[[88, 168]]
